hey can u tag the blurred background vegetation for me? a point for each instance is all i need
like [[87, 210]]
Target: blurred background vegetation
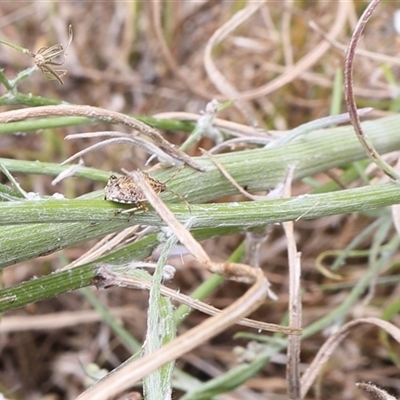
[[145, 58]]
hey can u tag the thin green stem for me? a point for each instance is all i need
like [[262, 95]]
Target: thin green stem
[[13, 98], [15, 46], [5, 81]]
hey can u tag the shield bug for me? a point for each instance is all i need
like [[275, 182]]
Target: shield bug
[[125, 190]]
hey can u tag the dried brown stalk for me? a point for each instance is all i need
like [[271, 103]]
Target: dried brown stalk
[[101, 114], [331, 344], [350, 98], [131, 373]]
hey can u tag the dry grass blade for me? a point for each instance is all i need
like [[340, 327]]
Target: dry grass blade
[[217, 78], [133, 141], [301, 66], [382, 58], [239, 272], [286, 76], [228, 176], [131, 373], [108, 116], [121, 279], [295, 305], [147, 58], [170, 59], [104, 246], [377, 393], [333, 342], [57, 320], [350, 99], [233, 128]]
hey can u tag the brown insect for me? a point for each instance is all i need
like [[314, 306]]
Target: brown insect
[[125, 190]]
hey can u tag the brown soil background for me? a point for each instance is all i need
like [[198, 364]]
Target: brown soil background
[[116, 62]]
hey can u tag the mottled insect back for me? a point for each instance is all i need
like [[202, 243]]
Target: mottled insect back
[[125, 190]]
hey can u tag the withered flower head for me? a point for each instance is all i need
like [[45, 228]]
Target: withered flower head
[[44, 59]]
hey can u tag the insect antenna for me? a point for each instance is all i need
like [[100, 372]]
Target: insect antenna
[[175, 193], [175, 174], [181, 197]]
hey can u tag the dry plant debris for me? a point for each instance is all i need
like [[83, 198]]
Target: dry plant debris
[[147, 58]]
